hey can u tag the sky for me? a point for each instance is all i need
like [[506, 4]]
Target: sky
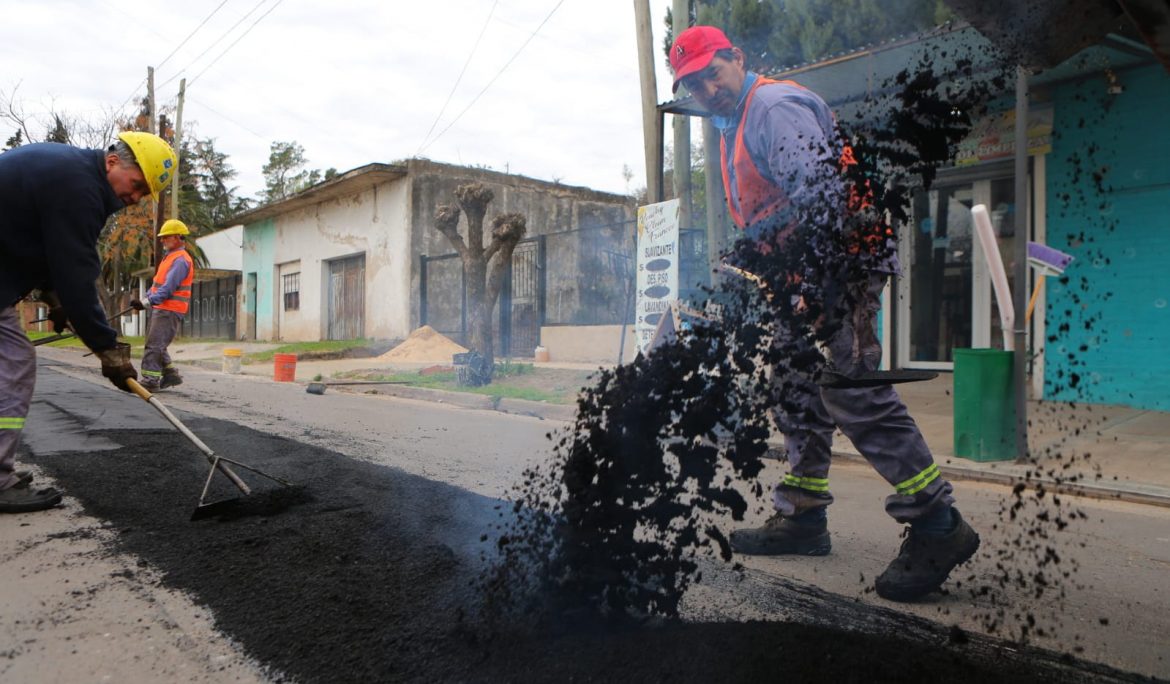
[[543, 88]]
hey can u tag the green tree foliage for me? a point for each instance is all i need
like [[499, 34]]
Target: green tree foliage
[[208, 199], [780, 33], [285, 173], [14, 141]]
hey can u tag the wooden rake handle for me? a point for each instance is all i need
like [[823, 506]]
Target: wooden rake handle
[[149, 398]]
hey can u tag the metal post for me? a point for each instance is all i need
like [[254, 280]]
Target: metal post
[[1019, 297]]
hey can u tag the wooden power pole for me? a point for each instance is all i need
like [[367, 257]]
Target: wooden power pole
[[680, 20], [651, 118], [178, 146]]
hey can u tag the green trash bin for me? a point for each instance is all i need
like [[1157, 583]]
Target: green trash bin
[[985, 406]]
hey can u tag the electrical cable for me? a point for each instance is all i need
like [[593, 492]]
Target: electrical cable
[[236, 41], [189, 35], [500, 73], [458, 79], [215, 42]]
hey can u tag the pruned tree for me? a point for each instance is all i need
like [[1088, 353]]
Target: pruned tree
[[484, 268]]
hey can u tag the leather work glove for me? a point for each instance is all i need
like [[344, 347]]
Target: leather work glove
[[56, 311], [116, 365], [137, 304], [58, 319]]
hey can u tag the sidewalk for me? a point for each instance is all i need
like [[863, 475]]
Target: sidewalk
[[1101, 451]]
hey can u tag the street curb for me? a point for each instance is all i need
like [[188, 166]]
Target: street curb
[[1157, 496]]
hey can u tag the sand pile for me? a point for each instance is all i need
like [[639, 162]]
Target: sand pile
[[424, 345]]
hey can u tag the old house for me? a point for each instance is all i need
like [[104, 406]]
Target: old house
[[358, 256]]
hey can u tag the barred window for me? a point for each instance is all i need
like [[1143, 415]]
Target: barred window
[[292, 291]]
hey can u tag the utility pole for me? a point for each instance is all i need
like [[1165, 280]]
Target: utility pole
[[680, 19], [651, 118], [150, 100], [156, 256], [716, 202], [178, 146]]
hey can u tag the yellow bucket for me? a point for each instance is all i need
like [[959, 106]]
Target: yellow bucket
[[231, 360]]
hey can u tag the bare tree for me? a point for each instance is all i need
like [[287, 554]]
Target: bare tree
[[484, 268]]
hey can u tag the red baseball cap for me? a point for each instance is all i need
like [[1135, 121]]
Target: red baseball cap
[[693, 49]]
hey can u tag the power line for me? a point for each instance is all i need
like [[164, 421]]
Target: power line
[[498, 74], [216, 41], [222, 115], [237, 40], [458, 80], [189, 35]]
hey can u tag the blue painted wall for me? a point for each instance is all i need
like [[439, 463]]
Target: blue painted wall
[[259, 257], [1108, 195]]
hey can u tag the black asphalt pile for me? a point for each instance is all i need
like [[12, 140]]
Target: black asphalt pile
[[373, 580]]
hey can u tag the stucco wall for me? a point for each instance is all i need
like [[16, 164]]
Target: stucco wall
[[1108, 189], [224, 248], [598, 344], [372, 223], [581, 224]]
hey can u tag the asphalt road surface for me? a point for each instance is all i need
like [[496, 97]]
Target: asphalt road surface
[[373, 578]]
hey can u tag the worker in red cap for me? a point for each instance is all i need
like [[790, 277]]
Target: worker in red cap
[[782, 160]]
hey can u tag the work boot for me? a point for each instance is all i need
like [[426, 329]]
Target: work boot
[[149, 383], [783, 536], [26, 500], [926, 560], [170, 378], [23, 478]]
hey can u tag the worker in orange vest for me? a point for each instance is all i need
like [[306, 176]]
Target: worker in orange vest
[[170, 298], [783, 164]]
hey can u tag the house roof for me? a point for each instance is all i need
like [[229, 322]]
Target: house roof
[[365, 177], [348, 183], [850, 82]]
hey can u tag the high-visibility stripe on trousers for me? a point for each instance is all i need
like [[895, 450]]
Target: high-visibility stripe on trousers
[[873, 418], [18, 374]]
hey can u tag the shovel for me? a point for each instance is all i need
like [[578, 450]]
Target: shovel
[[225, 506]]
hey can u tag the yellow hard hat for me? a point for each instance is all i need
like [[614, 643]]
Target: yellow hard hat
[[173, 227], [155, 157]]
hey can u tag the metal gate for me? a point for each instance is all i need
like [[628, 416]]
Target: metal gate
[[520, 301], [443, 298], [347, 298], [212, 313]]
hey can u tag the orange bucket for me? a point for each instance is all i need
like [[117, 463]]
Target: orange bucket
[[284, 367]]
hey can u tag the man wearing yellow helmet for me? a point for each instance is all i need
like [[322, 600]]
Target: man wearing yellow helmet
[[54, 202], [169, 297]]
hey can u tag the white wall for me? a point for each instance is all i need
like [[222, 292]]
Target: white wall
[[374, 223], [224, 249]]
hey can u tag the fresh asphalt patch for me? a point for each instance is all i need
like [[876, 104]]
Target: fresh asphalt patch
[[374, 576]]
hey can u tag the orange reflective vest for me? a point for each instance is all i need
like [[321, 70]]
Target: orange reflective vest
[[758, 198], [180, 299]]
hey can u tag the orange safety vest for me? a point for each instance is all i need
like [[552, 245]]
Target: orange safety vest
[[759, 198], [180, 299]]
